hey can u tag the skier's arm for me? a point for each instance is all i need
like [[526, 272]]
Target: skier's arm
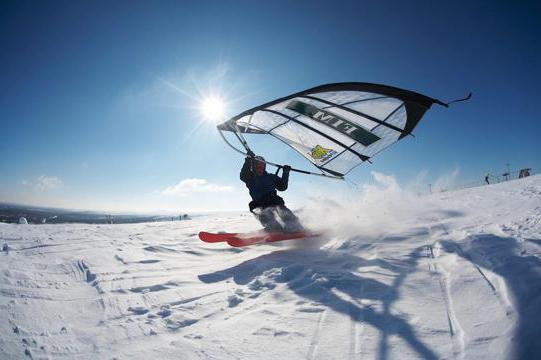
[[283, 182], [246, 174]]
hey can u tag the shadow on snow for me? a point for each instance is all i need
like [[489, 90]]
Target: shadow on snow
[[522, 275], [316, 275]]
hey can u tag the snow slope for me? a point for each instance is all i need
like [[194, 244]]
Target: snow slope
[[453, 275]]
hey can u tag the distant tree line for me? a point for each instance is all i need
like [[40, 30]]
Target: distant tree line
[[12, 214]]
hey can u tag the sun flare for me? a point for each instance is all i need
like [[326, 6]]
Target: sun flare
[[213, 108]]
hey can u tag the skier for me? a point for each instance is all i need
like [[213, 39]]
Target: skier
[[266, 205]]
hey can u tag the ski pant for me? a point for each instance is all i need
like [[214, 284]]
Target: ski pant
[[273, 214], [278, 218]]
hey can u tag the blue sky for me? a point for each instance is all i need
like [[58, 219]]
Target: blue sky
[[99, 100]]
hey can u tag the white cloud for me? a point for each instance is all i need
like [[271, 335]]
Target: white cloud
[[188, 186], [45, 183]]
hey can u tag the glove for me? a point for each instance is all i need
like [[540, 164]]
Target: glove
[[250, 153], [286, 168]]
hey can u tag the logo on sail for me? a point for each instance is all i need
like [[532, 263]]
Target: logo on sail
[[340, 124], [322, 154]]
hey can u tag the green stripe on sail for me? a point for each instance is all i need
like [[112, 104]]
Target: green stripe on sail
[[346, 127]]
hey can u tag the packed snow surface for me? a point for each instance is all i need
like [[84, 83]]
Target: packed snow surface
[[453, 275]]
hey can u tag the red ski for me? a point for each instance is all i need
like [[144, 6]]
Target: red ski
[[215, 237], [245, 239]]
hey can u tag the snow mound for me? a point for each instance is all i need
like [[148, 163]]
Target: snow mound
[[451, 275]]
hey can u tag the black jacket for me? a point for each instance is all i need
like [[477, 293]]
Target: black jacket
[[263, 188]]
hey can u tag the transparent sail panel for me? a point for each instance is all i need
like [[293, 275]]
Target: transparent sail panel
[[377, 108], [341, 97], [262, 120], [316, 148]]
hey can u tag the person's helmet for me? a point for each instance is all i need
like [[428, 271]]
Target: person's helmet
[[259, 165]]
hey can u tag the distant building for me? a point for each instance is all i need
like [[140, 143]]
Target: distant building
[[22, 221]]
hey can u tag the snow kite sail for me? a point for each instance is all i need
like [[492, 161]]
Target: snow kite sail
[[336, 126]]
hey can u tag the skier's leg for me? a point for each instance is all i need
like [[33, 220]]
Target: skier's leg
[[267, 218], [291, 221]]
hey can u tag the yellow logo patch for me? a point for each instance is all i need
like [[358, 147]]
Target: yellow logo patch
[[322, 154]]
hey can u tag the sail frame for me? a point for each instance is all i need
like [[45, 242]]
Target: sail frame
[[323, 124]]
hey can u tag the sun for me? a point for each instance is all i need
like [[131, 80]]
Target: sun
[[213, 108]]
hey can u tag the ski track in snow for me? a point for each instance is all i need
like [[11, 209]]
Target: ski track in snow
[[460, 281], [455, 331]]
